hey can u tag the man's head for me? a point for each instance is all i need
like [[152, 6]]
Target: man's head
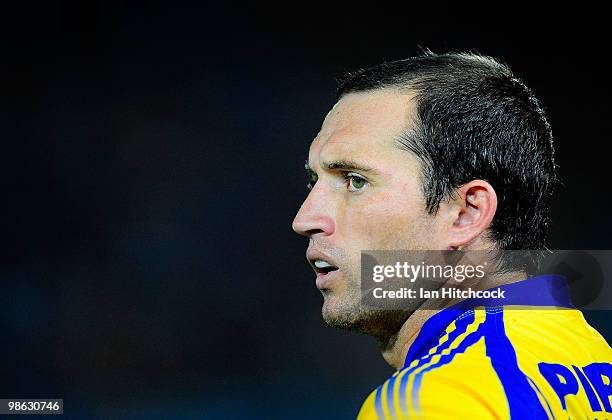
[[433, 152]]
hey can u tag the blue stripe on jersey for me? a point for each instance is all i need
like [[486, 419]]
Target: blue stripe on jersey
[[390, 404], [444, 360], [522, 399], [430, 332], [378, 403], [460, 328]]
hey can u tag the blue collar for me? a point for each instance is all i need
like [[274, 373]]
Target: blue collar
[[543, 290]]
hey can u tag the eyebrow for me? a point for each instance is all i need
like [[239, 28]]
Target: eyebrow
[[345, 165]]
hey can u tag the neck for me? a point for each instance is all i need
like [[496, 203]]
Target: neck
[[395, 348]]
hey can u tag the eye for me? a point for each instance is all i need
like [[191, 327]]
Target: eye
[[312, 181], [355, 182]]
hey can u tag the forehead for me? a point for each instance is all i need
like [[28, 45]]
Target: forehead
[[363, 123]]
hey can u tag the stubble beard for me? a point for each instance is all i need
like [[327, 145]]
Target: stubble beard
[[347, 312]]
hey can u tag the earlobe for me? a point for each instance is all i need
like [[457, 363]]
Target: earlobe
[[473, 210]]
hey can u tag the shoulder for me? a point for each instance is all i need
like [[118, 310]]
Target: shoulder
[[470, 370], [443, 395]]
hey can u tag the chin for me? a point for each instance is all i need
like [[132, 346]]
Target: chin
[[352, 316], [338, 313]]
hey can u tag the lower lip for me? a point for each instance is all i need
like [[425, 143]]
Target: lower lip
[[324, 280]]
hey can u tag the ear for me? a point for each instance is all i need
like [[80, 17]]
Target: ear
[[471, 212]]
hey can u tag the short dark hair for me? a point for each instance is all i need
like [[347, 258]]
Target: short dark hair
[[475, 120]]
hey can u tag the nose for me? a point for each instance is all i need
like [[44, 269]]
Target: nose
[[314, 217]]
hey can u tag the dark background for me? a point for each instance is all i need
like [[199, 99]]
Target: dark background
[[153, 163]]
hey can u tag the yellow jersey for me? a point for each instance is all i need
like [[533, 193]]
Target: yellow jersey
[[532, 355]]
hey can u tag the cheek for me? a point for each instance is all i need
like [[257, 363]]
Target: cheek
[[391, 220]]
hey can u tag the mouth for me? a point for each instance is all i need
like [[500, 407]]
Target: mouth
[[323, 267], [325, 271]]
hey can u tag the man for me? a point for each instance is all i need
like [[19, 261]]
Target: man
[[449, 152]]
